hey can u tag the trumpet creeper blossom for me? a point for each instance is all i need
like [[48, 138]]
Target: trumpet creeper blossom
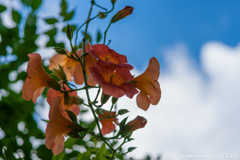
[[108, 123], [113, 81], [148, 85], [57, 127], [53, 94], [108, 56], [37, 79]]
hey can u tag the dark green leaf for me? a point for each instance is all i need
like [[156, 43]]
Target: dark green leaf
[[99, 36], [72, 115], [2, 8], [16, 16], [60, 50], [68, 16], [130, 149], [64, 8], [35, 4], [51, 20], [52, 32], [122, 111]]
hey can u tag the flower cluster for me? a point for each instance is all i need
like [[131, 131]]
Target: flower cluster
[[98, 67]]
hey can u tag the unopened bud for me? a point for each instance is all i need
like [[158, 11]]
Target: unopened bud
[[122, 13]]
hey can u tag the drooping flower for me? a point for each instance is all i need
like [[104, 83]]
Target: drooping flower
[[57, 127], [113, 81], [127, 10], [137, 123], [37, 79], [52, 94], [148, 85], [108, 123]]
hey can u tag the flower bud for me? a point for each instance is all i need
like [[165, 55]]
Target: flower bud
[[122, 13], [138, 122]]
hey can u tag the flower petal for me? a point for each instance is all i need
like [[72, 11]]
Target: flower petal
[[143, 101]]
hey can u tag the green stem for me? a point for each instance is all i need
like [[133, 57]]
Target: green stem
[[105, 33]]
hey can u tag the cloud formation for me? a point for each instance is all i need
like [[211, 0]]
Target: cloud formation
[[198, 112]]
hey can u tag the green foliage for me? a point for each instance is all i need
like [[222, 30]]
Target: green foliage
[[16, 16], [51, 20], [2, 8]]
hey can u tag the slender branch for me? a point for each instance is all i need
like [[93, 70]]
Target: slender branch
[[105, 33]]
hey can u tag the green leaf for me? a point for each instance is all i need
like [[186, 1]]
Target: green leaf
[[68, 16], [84, 156], [88, 36], [64, 7], [69, 143], [99, 36], [52, 32], [72, 115], [60, 50], [122, 111], [130, 149], [123, 122], [35, 4], [16, 16], [51, 20], [2, 8]]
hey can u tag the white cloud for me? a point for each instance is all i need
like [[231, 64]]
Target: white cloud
[[198, 112]]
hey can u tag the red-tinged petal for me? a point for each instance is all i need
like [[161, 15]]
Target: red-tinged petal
[[37, 93], [155, 93], [57, 127], [59, 144], [129, 89], [75, 109], [78, 74], [113, 90], [108, 126], [95, 75], [143, 101], [103, 52], [53, 94], [57, 59], [27, 90]]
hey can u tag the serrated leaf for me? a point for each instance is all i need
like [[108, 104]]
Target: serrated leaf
[[99, 36], [51, 20], [2, 8], [16, 16], [68, 16]]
